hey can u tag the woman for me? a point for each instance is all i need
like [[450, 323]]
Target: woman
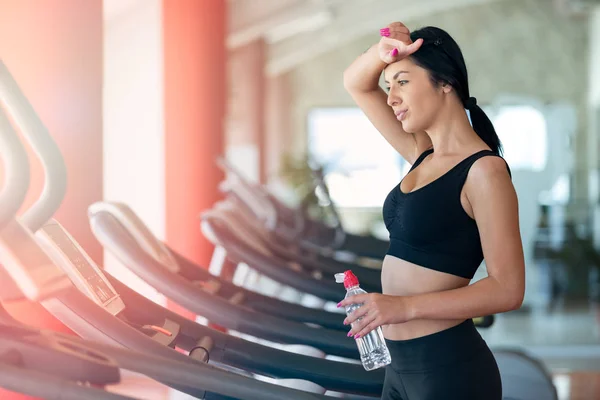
[[455, 207]]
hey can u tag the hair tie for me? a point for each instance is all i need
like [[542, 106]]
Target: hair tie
[[471, 103]]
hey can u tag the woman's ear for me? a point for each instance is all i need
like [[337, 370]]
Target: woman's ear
[[446, 87]]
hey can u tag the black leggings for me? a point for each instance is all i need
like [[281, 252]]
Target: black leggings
[[455, 363]]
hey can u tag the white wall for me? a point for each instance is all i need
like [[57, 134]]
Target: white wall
[[133, 117], [594, 49]]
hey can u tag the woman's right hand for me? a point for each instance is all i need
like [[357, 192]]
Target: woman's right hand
[[397, 44]]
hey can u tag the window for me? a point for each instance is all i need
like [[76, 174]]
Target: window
[[522, 131], [360, 165]]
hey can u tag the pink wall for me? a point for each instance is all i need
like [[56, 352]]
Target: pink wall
[[53, 48], [195, 93]]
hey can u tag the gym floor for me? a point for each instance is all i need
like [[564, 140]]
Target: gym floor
[[565, 339], [576, 385]]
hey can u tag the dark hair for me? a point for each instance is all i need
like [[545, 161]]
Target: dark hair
[[441, 56]]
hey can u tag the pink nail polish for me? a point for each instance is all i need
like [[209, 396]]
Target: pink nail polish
[[339, 304], [356, 336], [394, 52], [349, 334]]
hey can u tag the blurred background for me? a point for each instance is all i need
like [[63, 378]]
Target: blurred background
[[143, 95]]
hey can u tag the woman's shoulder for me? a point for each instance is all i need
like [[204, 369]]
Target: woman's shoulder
[[488, 165]]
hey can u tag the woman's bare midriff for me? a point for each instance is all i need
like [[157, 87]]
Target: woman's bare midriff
[[402, 278]]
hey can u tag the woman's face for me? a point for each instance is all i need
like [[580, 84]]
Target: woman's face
[[412, 95]]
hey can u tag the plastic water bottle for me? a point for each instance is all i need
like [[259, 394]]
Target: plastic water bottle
[[372, 348]]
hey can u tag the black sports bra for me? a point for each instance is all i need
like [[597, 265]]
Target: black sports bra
[[429, 226]]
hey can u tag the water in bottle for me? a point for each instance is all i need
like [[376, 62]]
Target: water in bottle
[[372, 348]]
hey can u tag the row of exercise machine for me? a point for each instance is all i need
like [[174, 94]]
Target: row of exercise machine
[[268, 347]]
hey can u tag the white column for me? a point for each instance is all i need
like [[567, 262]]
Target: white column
[[133, 118], [594, 121]]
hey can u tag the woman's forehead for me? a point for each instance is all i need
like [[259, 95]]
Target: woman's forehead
[[398, 68]]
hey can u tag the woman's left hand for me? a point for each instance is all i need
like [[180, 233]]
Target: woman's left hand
[[377, 310]]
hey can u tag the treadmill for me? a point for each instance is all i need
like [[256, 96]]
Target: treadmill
[[221, 227], [140, 322], [294, 226], [32, 363], [189, 374], [320, 235], [242, 227], [195, 274], [36, 277], [229, 314], [323, 259], [363, 245]]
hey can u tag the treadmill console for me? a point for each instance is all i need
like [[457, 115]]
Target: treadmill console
[[32, 273], [84, 273]]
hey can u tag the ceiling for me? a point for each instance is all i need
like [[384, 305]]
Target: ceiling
[[298, 30]]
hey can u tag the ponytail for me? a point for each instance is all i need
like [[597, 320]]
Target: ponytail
[[483, 126], [441, 56]]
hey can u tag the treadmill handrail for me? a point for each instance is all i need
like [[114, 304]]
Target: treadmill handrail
[[44, 385], [261, 206], [241, 220], [259, 358], [30, 124], [144, 237], [239, 251], [16, 167], [58, 355], [258, 201], [223, 211], [264, 303], [199, 374]]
